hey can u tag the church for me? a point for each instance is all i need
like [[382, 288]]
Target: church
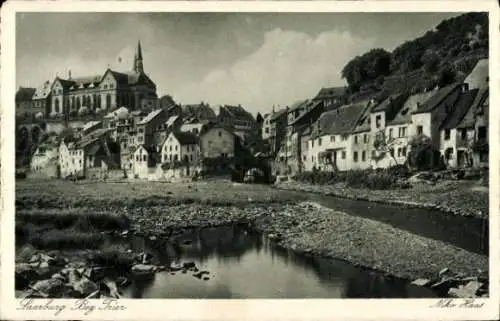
[[132, 89]]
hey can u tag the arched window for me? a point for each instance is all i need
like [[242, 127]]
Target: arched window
[[94, 102], [73, 106], [78, 104], [108, 101], [132, 101], [98, 101], [56, 106], [84, 101]]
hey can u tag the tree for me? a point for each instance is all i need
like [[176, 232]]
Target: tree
[[384, 144], [367, 67], [447, 75], [423, 155], [431, 60]]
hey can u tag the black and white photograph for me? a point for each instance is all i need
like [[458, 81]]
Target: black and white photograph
[[249, 155]]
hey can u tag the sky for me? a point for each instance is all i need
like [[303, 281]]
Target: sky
[[254, 59]]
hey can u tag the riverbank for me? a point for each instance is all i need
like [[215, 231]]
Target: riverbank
[[462, 198], [294, 224]]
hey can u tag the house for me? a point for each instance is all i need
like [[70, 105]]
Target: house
[[277, 129], [147, 127], [238, 120], [300, 118], [45, 160], [455, 143], [331, 96], [144, 161], [217, 141], [201, 111], [71, 159], [361, 138], [430, 115], [330, 145], [180, 147], [193, 125], [41, 99], [391, 127], [173, 123], [24, 105]]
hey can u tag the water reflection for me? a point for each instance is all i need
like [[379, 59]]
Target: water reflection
[[243, 264]]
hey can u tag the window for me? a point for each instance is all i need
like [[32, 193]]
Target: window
[[446, 134], [365, 138], [448, 154], [420, 130], [267, 130], [319, 141], [312, 143], [175, 157], [374, 153], [343, 154], [481, 132], [344, 137], [363, 156], [378, 120], [220, 134], [191, 157], [402, 132], [403, 151], [355, 139], [175, 147], [332, 138], [170, 157], [399, 152], [143, 158], [390, 132], [355, 156], [170, 148]]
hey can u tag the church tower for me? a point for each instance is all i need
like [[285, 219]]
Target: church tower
[[138, 67]]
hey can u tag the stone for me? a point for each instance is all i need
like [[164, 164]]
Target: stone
[[113, 289], [143, 269], [122, 281], [24, 274], [49, 287], [466, 291], [421, 282], [445, 273], [85, 286]]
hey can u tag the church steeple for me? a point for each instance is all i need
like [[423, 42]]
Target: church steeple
[[138, 66]]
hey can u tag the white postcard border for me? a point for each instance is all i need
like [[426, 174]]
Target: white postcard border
[[178, 309]]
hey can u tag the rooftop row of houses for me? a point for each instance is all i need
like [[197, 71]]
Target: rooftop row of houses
[[328, 134]]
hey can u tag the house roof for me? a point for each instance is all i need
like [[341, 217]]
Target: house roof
[[152, 115], [469, 118], [478, 78], [91, 124], [297, 105], [340, 120], [149, 149], [201, 111], [403, 116], [386, 103], [186, 138], [363, 122], [308, 106], [436, 99], [239, 112], [330, 92], [93, 149], [277, 114], [25, 93], [171, 120], [42, 91], [461, 107], [117, 112]]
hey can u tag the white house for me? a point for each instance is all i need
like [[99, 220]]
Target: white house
[[217, 142], [45, 160], [142, 161], [180, 147]]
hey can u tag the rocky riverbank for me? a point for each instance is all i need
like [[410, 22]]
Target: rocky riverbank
[[304, 228], [448, 197]]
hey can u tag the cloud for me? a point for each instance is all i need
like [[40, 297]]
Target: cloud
[[287, 67]]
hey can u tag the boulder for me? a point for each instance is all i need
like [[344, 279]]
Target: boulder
[[466, 291], [24, 274], [143, 269], [85, 286], [49, 287]]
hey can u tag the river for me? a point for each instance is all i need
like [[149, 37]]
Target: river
[[243, 264]]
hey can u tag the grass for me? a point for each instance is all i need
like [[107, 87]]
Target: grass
[[66, 194]]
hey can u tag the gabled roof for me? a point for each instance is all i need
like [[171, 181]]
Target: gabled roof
[[117, 112], [469, 119], [297, 105], [238, 112], [277, 114], [403, 116], [308, 105], [42, 91], [341, 120], [201, 111], [152, 115], [25, 93], [478, 78], [363, 122], [435, 100], [186, 138], [149, 150], [330, 92], [460, 109], [86, 80]]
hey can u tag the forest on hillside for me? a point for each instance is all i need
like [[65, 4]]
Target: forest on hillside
[[441, 56]]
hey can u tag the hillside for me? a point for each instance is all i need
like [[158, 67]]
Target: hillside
[[441, 56]]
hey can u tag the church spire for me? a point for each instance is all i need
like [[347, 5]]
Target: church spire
[[138, 66]]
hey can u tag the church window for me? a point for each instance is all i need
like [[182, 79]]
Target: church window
[[78, 105], [108, 101], [56, 107]]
